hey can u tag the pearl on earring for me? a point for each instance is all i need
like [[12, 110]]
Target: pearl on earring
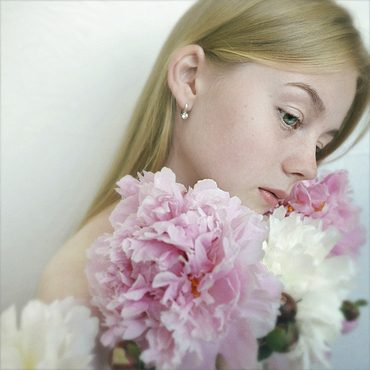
[[184, 114]]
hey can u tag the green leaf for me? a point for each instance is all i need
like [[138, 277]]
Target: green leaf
[[361, 302]]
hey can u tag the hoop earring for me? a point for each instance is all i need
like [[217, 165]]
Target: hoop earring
[[184, 114]]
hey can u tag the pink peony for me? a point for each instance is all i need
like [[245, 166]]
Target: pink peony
[[327, 198], [181, 274]]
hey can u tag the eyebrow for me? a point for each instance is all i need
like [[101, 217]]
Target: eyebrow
[[319, 104]]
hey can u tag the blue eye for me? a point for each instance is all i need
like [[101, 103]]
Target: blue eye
[[288, 118]]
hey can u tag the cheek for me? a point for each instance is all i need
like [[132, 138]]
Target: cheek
[[249, 142], [235, 143], [239, 156]]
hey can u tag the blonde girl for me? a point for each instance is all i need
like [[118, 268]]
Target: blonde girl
[[252, 93]]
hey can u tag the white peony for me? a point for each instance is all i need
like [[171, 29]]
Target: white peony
[[56, 336], [295, 251]]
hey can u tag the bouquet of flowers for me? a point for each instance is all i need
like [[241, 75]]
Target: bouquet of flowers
[[189, 275], [191, 279]]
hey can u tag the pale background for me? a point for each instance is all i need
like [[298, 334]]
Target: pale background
[[71, 72]]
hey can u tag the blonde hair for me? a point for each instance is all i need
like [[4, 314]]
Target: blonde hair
[[307, 36]]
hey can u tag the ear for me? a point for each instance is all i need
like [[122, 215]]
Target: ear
[[184, 71]]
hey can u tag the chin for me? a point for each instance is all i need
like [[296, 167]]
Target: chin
[[260, 209], [254, 204]]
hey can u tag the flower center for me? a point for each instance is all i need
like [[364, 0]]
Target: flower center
[[320, 207], [194, 284]]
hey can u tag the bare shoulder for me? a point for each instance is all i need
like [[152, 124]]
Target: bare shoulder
[[64, 275]]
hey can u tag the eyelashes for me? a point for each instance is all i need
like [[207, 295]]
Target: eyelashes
[[318, 152], [289, 120]]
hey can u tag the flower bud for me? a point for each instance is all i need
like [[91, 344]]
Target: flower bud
[[125, 355], [264, 351], [283, 338], [288, 309], [350, 310]]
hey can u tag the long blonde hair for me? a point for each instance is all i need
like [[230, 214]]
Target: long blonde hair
[[307, 36]]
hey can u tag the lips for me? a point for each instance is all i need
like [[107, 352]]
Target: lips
[[272, 196], [280, 194]]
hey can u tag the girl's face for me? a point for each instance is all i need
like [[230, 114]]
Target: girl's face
[[255, 130]]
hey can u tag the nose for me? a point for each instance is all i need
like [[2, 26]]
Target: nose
[[301, 163]]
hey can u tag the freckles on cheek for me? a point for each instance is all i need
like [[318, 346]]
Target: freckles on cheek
[[243, 151]]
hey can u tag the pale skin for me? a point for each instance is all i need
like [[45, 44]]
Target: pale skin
[[237, 132], [244, 131]]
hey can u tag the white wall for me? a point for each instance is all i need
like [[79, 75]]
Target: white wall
[[71, 72]]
